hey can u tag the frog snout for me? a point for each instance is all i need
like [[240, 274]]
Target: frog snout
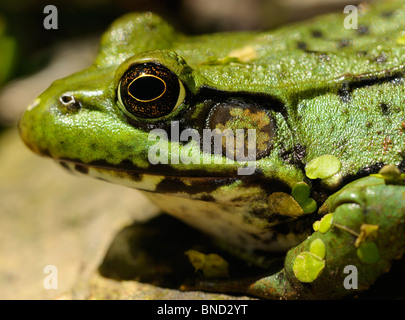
[[26, 126]]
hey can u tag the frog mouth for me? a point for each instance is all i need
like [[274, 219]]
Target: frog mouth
[[161, 182]]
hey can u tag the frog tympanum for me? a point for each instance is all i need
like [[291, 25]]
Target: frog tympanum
[[291, 140]]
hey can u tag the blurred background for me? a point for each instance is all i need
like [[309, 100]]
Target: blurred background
[[48, 217]]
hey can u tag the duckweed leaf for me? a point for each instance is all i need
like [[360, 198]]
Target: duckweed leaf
[[317, 247], [308, 266], [325, 223], [323, 167]]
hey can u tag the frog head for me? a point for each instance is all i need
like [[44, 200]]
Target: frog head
[[145, 115]]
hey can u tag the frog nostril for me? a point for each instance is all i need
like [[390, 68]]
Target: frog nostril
[[69, 102]]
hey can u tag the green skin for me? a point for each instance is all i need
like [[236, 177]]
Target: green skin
[[327, 90]]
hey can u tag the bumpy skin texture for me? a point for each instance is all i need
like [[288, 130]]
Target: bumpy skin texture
[[310, 89]]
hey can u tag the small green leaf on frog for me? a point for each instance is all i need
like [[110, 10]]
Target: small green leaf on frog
[[323, 167], [211, 265], [391, 174], [324, 224], [300, 193], [317, 247], [309, 205], [308, 266], [368, 252]]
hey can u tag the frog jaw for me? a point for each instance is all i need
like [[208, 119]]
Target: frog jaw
[[137, 179]]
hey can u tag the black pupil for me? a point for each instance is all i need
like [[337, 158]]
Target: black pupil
[[149, 90], [146, 88]]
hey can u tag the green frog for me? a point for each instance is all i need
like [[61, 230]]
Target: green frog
[[289, 141]]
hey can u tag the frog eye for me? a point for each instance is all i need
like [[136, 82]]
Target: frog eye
[[149, 90]]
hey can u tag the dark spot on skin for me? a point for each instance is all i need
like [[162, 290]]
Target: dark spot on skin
[[301, 45], [344, 43], [385, 110], [135, 176], [324, 57], [363, 30], [93, 146], [387, 14], [361, 54], [295, 156], [344, 93], [81, 169], [382, 58], [316, 34], [124, 147]]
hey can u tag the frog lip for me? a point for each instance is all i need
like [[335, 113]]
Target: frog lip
[[153, 182], [194, 184], [136, 173]]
